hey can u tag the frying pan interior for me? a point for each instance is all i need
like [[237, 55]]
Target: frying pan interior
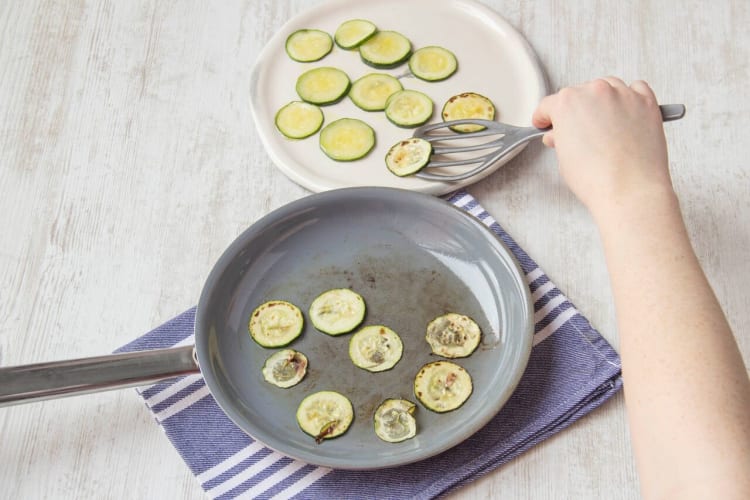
[[412, 257]]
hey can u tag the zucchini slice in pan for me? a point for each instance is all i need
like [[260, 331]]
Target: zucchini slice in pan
[[285, 368], [275, 323], [347, 139], [351, 34], [394, 420], [375, 348], [325, 415], [442, 386], [337, 311], [453, 335], [308, 45], [385, 49], [323, 86]]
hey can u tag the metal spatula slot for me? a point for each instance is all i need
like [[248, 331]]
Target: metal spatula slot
[[481, 149]]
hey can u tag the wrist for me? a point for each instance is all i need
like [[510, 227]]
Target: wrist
[[635, 208]]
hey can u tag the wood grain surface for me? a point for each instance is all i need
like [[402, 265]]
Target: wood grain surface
[[128, 161]]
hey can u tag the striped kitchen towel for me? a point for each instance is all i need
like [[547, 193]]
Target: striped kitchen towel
[[572, 370]]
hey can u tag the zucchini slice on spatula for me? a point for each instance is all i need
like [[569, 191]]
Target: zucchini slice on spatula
[[442, 386], [350, 34], [375, 348], [337, 311], [285, 368], [453, 335], [468, 105], [275, 323], [347, 139], [308, 45], [408, 156], [325, 415], [394, 420]]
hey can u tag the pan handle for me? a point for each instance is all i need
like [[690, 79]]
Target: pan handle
[[29, 383]]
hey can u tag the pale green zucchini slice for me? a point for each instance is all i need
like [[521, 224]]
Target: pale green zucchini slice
[[385, 49], [408, 156], [453, 335], [375, 348], [275, 323], [299, 119], [347, 139], [337, 311], [468, 105], [325, 415], [308, 45], [323, 85], [408, 108], [433, 63], [285, 368], [442, 386], [373, 90], [350, 34], [394, 420]]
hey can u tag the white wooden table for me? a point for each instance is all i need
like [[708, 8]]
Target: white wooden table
[[128, 161]]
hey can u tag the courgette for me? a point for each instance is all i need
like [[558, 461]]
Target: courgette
[[375, 348], [468, 105], [385, 49], [433, 63], [373, 90], [285, 368], [394, 420], [442, 386], [408, 108], [337, 311], [299, 119], [350, 34], [325, 415], [275, 323], [347, 139], [308, 45], [453, 335], [322, 86], [408, 156]]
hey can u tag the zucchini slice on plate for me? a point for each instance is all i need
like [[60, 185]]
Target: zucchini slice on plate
[[408, 108], [394, 420], [308, 45], [347, 139], [468, 105], [373, 90], [408, 156], [453, 335], [350, 34], [433, 63], [375, 348], [299, 119], [285, 368], [337, 311], [385, 49], [323, 86], [325, 415], [275, 323], [442, 386]]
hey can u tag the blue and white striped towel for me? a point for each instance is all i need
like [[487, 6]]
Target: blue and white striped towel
[[572, 370]]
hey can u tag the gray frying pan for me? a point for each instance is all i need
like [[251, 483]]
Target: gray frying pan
[[411, 256]]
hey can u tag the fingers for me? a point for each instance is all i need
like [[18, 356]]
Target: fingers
[[541, 117], [548, 139], [643, 88], [614, 82]]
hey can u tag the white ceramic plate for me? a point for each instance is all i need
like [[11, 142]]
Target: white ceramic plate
[[493, 58]]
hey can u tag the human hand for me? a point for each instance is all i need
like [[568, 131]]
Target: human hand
[[609, 140]]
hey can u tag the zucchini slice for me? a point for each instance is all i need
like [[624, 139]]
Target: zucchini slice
[[468, 105], [325, 415], [394, 420], [350, 34], [347, 139], [453, 335], [285, 368], [322, 86], [408, 108], [373, 90], [337, 311], [308, 45], [375, 348], [433, 63], [299, 119], [275, 323], [442, 386], [385, 49], [408, 156]]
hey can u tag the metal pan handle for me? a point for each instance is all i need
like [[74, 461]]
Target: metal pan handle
[[28, 383]]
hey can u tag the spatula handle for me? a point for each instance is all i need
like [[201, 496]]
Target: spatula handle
[[671, 112]]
